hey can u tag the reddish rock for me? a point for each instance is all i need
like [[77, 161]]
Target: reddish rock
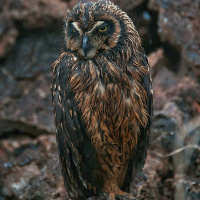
[[126, 6], [25, 105], [179, 25], [184, 91], [129, 5], [7, 41], [22, 15], [40, 177], [8, 34], [35, 14]]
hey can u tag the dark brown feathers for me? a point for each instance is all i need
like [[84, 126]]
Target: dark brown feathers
[[102, 99]]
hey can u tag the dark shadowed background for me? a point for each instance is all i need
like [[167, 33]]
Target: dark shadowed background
[[30, 40]]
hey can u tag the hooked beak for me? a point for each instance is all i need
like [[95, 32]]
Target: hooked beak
[[86, 46]]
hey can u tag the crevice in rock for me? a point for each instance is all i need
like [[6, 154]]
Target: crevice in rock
[[173, 57], [17, 133], [145, 21]]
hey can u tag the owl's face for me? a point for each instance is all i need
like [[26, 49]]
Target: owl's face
[[91, 28]]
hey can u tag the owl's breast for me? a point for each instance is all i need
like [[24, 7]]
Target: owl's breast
[[112, 105]]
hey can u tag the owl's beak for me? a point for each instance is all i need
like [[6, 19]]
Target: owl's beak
[[86, 47]]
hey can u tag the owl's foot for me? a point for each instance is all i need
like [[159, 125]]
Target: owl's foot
[[120, 195], [111, 191]]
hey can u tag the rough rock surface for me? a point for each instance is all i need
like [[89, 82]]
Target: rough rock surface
[[128, 5], [21, 15], [179, 25], [30, 40], [183, 90], [30, 168], [25, 76]]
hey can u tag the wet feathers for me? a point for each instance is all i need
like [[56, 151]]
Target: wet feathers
[[102, 99]]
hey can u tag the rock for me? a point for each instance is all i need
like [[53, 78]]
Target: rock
[[8, 34], [155, 59], [35, 14], [20, 15], [147, 187], [17, 181], [129, 5], [163, 129], [40, 177], [7, 41], [26, 78], [163, 82], [168, 87], [179, 25]]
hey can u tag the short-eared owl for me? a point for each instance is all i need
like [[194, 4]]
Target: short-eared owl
[[102, 98]]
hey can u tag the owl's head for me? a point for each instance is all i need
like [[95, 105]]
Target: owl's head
[[92, 28]]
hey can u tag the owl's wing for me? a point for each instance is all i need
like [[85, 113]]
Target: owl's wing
[[76, 158], [137, 161], [143, 141]]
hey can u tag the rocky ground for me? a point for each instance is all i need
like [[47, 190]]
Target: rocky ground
[[30, 40]]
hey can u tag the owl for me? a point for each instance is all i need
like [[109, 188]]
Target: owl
[[102, 98]]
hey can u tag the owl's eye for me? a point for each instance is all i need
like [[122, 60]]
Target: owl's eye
[[103, 29], [74, 30]]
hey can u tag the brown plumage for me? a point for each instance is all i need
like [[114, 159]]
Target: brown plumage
[[102, 97]]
